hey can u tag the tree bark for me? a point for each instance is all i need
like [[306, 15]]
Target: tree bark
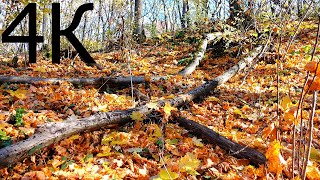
[[233, 148], [50, 133], [184, 23], [137, 33], [121, 81], [200, 53]]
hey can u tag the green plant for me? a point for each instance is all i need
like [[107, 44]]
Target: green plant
[[18, 117], [5, 140]]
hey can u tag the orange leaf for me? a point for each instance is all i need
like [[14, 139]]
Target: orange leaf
[[311, 66], [273, 155], [313, 172], [270, 131], [290, 115], [315, 86]]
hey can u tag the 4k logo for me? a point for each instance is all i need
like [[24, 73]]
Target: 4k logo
[[32, 39]]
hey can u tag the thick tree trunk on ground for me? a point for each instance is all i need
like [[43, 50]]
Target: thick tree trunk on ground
[[200, 53], [120, 81], [234, 149], [50, 133]]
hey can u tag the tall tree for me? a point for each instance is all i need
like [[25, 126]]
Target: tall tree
[[138, 31], [185, 8]]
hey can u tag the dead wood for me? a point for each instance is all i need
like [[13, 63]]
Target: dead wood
[[81, 81], [50, 133], [243, 152], [200, 53]]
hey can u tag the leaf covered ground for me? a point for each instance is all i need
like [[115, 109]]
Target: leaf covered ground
[[244, 111]]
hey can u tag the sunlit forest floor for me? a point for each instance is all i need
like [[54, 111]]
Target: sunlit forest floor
[[243, 110]]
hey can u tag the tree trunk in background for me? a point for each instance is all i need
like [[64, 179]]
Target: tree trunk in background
[[205, 6], [165, 15], [137, 33], [99, 20], [238, 17], [184, 14], [235, 9], [84, 27], [299, 7], [44, 27]]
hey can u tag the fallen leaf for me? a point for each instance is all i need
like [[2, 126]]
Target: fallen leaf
[[189, 163], [137, 116], [168, 108], [197, 142], [167, 174], [273, 155]]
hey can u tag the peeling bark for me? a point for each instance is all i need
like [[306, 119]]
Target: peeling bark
[[50, 133], [200, 53]]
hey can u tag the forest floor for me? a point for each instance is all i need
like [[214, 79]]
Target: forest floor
[[244, 111]]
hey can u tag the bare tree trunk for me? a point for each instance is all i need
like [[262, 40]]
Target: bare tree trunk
[[137, 33], [184, 14], [165, 15], [120, 81], [200, 53], [205, 5], [99, 20], [84, 27], [44, 27]]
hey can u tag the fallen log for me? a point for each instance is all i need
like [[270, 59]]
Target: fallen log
[[81, 81], [50, 133], [233, 148], [200, 53]]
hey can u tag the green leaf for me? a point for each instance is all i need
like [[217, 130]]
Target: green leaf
[[87, 157], [18, 117], [3, 136], [172, 141], [159, 142], [64, 158], [315, 154], [64, 165]]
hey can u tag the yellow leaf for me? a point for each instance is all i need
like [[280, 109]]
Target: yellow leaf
[[168, 108], [238, 111], [286, 103], [20, 94], [116, 138], [157, 131], [137, 116], [167, 174], [40, 69], [170, 96], [74, 137], [213, 99], [189, 163], [105, 151], [197, 142], [313, 172]]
